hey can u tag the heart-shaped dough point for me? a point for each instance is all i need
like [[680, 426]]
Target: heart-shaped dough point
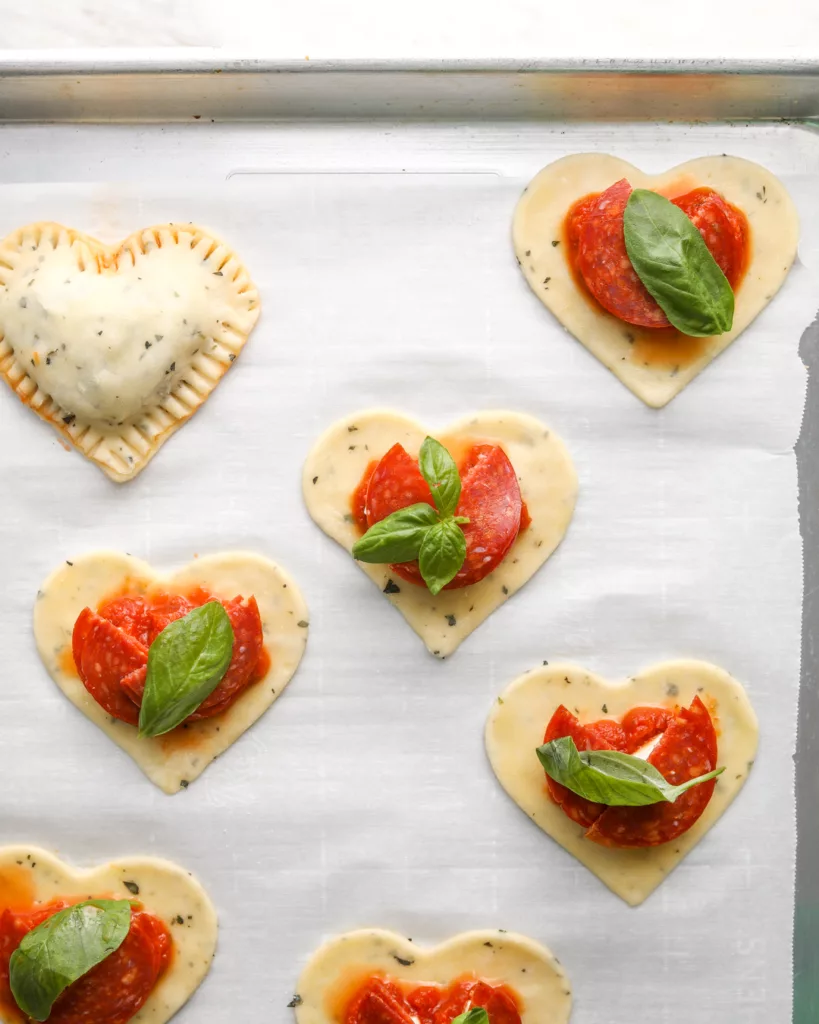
[[548, 487], [174, 760], [116, 347], [516, 728]]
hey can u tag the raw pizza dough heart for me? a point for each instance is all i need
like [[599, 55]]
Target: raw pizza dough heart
[[518, 722], [118, 347], [548, 485], [29, 874], [651, 364], [176, 759], [335, 970]]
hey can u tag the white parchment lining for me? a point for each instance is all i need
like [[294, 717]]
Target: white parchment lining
[[363, 797]]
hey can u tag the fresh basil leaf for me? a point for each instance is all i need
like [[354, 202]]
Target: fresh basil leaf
[[440, 472], [398, 537], [62, 949], [672, 260], [477, 1015], [609, 777], [186, 663], [442, 554]]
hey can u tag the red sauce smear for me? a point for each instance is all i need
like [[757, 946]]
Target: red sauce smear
[[687, 749], [115, 990], [382, 1000], [490, 499], [596, 248], [110, 649]]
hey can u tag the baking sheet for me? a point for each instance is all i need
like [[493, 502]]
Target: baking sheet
[[363, 796]]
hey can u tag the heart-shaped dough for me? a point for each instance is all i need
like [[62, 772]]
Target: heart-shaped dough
[[176, 759], [335, 971], [29, 874], [518, 722], [653, 365], [548, 484], [117, 347]]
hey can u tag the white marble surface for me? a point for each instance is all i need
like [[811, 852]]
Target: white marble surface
[[424, 28]]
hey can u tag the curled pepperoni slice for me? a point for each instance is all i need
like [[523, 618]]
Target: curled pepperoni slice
[[596, 243], [497, 1001], [641, 725], [687, 749], [490, 499], [115, 990], [424, 1001], [104, 655], [379, 1002], [165, 609], [723, 228]]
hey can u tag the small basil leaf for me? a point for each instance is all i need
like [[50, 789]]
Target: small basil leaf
[[610, 777], [672, 260], [398, 537], [186, 663], [442, 554], [62, 949], [440, 472], [477, 1015]]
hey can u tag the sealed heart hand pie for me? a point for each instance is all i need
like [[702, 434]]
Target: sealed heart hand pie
[[172, 668], [655, 274], [118, 347]]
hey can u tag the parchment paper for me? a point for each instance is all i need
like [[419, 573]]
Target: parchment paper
[[363, 797]]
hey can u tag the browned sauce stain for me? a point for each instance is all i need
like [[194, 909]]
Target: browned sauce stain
[[17, 890], [662, 348], [66, 661]]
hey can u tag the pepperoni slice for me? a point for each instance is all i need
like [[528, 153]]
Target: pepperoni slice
[[497, 1001], [722, 226], [490, 499], [596, 242], [130, 614], [379, 1002], [167, 608], [603, 261], [395, 483], [603, 735], [248, 645], [687, 749], [104, 655], [641, 725], [115, 990], [424, 1001]]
